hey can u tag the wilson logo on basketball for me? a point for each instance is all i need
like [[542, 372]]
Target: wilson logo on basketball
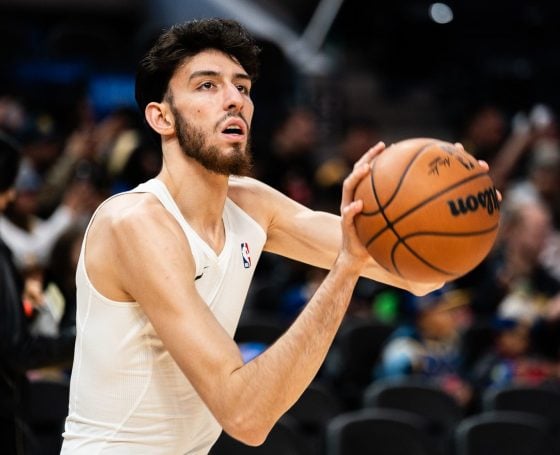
[[485, 200]]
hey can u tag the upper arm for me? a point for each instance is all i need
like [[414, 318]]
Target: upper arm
[[293, 230], [309, 236]]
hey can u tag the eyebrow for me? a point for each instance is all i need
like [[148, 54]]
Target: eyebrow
[[209, 73]]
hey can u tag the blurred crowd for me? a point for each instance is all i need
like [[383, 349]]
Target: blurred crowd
[[498, 325]]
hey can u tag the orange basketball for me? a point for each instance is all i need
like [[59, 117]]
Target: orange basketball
[[431, 212]]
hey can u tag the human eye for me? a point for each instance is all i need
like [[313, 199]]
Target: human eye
[[244, 89], [208, 85]]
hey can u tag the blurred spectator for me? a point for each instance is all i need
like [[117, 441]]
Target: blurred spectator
[[19, 349], [77, 162], [93, 153], [58, 280], [484, 131], [290, 165], [487, 135], [512, 360], [542, 182], [512, 283], [359, 136], [514, 267], [143, 162], [550, 256], [12, 115], [30, 237], [41, 141], [428, 345]]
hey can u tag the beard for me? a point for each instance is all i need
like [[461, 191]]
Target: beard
[[193, 144]]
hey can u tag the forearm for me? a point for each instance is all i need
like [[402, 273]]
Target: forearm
[[268, 386], [319, 248], [375, 272]]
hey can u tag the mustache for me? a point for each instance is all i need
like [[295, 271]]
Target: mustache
[[229, 115]]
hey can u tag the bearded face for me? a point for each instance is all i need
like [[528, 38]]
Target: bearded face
[[195, 143]]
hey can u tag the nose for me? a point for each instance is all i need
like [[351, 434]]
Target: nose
[[233, 98]]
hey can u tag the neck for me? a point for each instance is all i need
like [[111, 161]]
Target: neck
[[200, 195]]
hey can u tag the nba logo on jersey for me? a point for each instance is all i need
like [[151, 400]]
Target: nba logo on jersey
[[245, 255]]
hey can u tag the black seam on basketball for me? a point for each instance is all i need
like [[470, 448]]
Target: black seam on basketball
[[420, 258], [390, 224], [439, 234], [397, 188], [452, 234]]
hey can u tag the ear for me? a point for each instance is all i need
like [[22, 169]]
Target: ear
[[159, 118]]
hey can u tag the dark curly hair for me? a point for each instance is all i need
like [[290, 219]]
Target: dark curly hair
[[185, 40]]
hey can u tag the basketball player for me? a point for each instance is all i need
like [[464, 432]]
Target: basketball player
[[165, 268]]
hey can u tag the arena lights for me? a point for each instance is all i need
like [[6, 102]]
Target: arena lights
[[441, 13]]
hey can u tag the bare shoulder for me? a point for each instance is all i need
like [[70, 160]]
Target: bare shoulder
[[131, 214], [122, 226], [241, 188], [254, 197], [130, 207], [268, 206]]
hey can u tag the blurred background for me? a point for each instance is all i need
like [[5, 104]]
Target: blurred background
[[416, 66], [336, 77]]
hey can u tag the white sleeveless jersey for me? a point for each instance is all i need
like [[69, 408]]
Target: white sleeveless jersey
[[127, 395]]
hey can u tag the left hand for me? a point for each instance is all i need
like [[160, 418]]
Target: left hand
[[349, 207]]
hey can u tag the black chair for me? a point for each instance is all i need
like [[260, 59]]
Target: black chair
[[312, 412], [537, 400], [504, 433], [421, 397], [283, 439], [379, 432], [351, 360], [542, 401]]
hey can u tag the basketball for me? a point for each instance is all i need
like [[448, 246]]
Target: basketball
[[431, 212]]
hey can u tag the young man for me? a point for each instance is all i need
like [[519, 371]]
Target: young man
[[19, 349], [165, 269]]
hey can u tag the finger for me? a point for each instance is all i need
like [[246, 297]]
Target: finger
[[349, 212], [486, 167], [350, 183], [370, 154], [460, 146]]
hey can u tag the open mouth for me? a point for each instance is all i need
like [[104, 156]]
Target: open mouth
[[233, 130], [234, 127]]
